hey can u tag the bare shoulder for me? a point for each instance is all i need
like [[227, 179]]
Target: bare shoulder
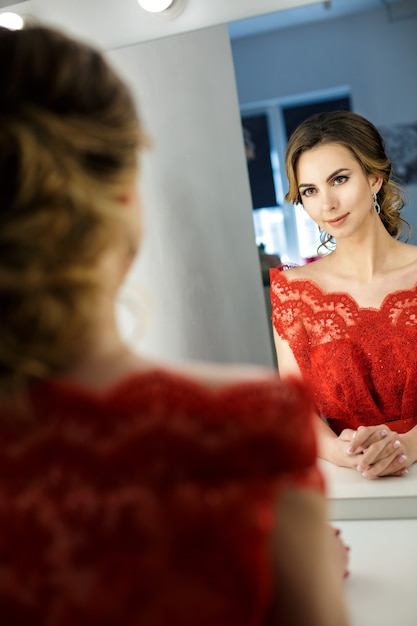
[[221, 374], [408, 253], [401, 265], [310, 270]]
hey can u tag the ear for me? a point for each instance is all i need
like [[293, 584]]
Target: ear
[[376, 183], [125, 197], [128, 195]]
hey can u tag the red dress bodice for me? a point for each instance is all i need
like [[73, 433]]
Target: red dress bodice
[[360, 362], [150, 504]]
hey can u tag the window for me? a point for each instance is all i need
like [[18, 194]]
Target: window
[[258, 158], [293, 115]]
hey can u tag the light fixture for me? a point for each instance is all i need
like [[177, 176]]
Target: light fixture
[[156, 6], [12, 21]]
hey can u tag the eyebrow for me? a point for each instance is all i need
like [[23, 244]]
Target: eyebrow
[[328, 179]]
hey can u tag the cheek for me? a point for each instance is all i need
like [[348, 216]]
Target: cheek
[[135, 220], [358, 197], [312, 208], [137, 207]]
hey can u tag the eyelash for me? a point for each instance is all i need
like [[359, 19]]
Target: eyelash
[[305, 192], [342, 178]]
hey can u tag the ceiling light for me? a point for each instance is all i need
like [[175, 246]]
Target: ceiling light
[[156, 6], [12, 21]]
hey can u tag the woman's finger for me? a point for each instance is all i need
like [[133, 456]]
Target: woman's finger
[[395, 465], [366, 436], [347, 434], [383, 449]]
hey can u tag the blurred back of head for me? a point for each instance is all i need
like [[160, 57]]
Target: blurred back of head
[[69, 141]]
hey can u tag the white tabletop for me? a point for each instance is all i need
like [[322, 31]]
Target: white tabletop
[[378, 520], [352, 497], [381, 589]]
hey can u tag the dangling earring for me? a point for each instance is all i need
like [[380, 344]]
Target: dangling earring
[[324, 235], [377, 208], [326, 240]]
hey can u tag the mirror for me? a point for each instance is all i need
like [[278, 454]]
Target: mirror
[[291, 61], [200, 266]]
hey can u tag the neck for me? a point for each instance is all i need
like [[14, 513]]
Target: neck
[[106, 358], [365, 256]]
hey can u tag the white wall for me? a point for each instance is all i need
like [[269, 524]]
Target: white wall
[[199, 266], [112, 24], [376, 57]]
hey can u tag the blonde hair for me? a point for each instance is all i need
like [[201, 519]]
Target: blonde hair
[[69, 138], [365, 143]]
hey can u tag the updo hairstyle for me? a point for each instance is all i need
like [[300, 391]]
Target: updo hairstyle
[[69, 140]]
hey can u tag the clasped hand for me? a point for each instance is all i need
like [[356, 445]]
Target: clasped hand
[[376, 451]]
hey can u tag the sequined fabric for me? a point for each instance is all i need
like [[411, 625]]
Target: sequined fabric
[[151, 504], [360, 362]]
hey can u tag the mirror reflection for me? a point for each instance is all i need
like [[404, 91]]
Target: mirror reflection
[[192, 90], [334, 55]]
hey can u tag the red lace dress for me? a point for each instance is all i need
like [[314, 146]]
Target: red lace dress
[[360, 362], [150, 504]]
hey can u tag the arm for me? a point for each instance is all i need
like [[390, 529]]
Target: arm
[[310, 562], [330, 446], [373, 450]]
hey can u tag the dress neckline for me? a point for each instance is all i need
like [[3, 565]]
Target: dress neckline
[[393, 296]]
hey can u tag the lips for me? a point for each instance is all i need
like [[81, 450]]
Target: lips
[[338, 221]]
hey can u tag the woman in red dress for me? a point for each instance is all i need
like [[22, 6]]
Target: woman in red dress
[[131, 492], [347, 323]]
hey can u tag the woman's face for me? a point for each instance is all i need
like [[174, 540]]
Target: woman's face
[[334, 190]]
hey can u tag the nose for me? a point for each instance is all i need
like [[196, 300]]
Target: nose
[[329, 199]]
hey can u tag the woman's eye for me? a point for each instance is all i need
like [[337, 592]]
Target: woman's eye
[[339, 180], [308, 191]]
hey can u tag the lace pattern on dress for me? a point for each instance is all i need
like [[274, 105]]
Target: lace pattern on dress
[[151, 504], [298, 306], [301, 304], [359, 361], [402, 309]]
